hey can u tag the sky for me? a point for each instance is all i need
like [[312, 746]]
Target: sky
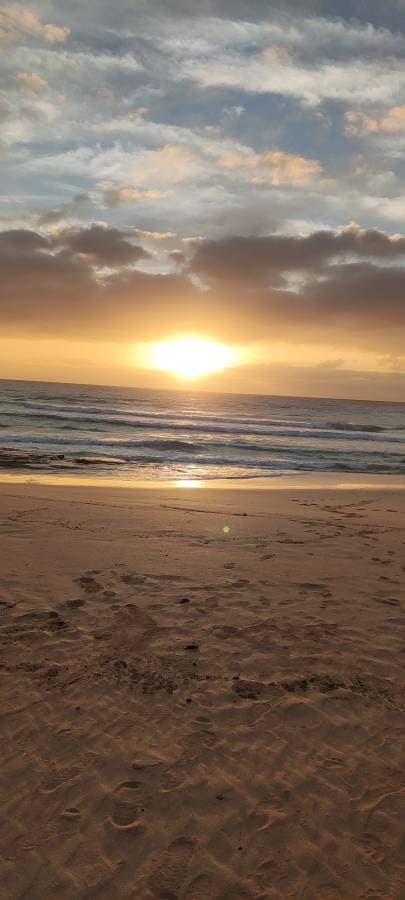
[[220, 168]]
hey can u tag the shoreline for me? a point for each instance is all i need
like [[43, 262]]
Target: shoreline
[[314, 481]]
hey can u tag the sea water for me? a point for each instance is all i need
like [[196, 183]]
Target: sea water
[[149, 435]]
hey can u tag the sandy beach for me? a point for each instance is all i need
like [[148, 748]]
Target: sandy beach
[[202, 694]]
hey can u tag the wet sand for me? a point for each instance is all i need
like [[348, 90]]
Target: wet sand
[[202, 694]]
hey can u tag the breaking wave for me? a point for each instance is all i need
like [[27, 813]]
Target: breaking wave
[[153, 434]]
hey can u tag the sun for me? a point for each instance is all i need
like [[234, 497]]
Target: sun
[[191, 357]]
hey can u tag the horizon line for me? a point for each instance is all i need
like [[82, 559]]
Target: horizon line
[[200, 391]]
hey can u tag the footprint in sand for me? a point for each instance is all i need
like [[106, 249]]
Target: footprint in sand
[[133, 579], [147, 762], [226, 631], [71, 813], [174, 778], [169, 879], [127, 806], [248, 690], [34, 624], [44, 616], [311, 585], [76, 603], [89, 584]]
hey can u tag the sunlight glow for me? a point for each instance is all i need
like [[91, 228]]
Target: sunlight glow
[[188, 483], [192, 357]]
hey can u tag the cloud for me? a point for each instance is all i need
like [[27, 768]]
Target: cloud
[[100, 245], [254, 260], [69, 210], [49, 286], [363, 298], [83, 248], [127, 168], [22, 241], [311, 60], [55, 34], [124, 124], [31, 82], [115, 195], [348, 288], [362, 81], [158, 235], [275, 54], [210, 119], [18, 21], [339, 289], [170, 165], [276, 166], [285, 168], [124, 108], [84, 67], [389, 122]]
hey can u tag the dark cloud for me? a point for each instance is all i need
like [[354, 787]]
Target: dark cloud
[[349, 287], [50, 285], [247, 259], [98, 245], [363, 294], [101, 245], [353, 306], [21, 240]]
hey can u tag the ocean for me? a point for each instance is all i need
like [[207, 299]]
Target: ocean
[[147, 435]]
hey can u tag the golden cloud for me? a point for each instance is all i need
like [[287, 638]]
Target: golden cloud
[[16, 21], [114, 195], [30, 82], [277, 166], [389, 123]]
